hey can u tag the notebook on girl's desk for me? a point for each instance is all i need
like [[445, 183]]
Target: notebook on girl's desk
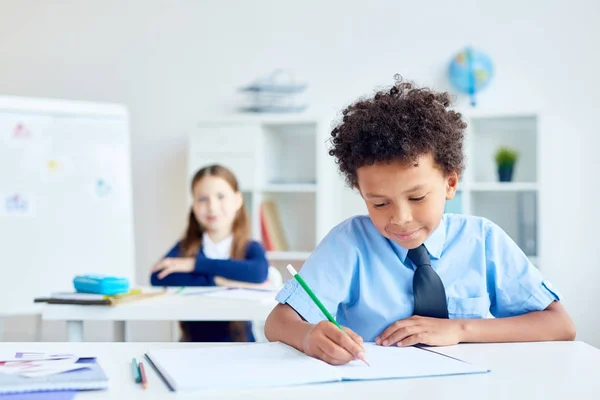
[[276, 364]]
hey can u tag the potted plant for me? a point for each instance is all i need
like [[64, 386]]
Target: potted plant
[[506, 157]]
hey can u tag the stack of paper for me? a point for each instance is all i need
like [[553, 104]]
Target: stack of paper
[[24, 372], [261, 295]]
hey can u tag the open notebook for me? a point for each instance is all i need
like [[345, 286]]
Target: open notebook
[[276, 364]]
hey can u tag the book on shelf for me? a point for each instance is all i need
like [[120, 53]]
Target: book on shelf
[[271, 228]]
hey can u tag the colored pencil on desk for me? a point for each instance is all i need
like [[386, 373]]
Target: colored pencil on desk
[[314, 298], [143, 375], [136, 371]]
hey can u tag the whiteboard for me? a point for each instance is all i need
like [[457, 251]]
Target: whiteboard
[[65, 196]]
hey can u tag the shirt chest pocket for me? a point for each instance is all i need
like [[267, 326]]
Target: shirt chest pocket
[[468, 307]]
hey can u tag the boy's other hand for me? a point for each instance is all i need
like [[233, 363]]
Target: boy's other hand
[[327, 342], [421, 330], [167, 266]]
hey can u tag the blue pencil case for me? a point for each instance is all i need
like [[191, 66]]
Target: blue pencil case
[[100, 284]]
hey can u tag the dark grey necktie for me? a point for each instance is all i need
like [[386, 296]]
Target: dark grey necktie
[[430, 295]]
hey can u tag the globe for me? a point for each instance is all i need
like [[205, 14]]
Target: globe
[[470, 71]]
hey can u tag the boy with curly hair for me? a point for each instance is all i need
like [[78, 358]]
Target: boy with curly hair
[[408, 273]]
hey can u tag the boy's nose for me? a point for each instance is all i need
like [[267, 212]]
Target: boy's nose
[[401, 216]]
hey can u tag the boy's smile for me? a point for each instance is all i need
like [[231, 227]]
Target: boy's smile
[[406, 201]]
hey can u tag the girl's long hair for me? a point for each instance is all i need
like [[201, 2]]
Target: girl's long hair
[[192, 240]]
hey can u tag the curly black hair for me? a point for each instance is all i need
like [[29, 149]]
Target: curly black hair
[[401, 123]]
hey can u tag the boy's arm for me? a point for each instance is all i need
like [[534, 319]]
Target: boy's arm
[[285, 325], [553, 323], [524, 302]]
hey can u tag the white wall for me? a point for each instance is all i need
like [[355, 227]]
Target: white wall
[[172, 61]]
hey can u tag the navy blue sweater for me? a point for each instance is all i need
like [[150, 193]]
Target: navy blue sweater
[[254, 268]]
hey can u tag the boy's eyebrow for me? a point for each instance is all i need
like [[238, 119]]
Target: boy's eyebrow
[[414, 189], [377, 195], [374, 195]]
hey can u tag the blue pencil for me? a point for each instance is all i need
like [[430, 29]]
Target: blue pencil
[[136, 371]]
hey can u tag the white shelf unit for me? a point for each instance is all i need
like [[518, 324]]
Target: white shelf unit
[[281, 158], [514, 206]]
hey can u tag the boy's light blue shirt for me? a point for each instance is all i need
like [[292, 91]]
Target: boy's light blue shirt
[[365, 279]]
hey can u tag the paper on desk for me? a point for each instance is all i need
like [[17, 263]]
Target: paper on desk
[[36, 368], [245, 294], [191, 291], [394, 362], [35, 355], [76, 296], [51, 395]]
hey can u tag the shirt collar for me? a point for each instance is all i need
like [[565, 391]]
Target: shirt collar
[[221, 250], [434, 243]]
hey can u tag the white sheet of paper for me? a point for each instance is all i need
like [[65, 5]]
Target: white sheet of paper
[[77, 296], [192, 291], [34, 368], [245, 294], [397, 362], [52, 370], [36, 355], [276, 364], [244, 366]]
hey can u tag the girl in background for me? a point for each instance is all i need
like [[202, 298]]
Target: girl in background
[[215, 250]]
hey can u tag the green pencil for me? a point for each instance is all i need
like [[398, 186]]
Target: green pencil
[[314, 297]]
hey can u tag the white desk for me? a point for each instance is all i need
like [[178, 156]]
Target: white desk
[[548, 371], [170, 307]]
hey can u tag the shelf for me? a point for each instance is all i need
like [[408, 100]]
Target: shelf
[[290, 188], [299, 118], [501, 186], [287, 255]]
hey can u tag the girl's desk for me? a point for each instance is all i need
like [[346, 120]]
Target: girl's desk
[[549, 370], [170, 307]]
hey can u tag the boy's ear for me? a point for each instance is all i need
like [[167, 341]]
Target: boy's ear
[[451, 185]]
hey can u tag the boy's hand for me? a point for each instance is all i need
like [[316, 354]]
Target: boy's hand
[[327, 342], [423, 330], [171, 265]]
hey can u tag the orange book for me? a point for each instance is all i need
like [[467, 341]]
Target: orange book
[[273, 226], [264, 233]]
